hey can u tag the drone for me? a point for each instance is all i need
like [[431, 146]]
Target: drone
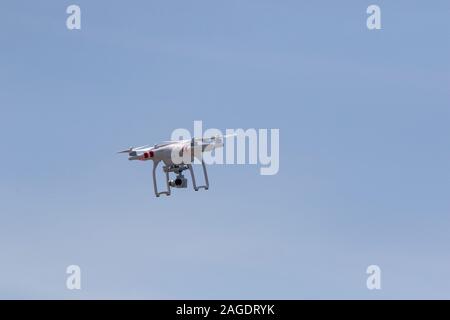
[[177, 156]]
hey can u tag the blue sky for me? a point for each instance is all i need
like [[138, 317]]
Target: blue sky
[[364, 149]]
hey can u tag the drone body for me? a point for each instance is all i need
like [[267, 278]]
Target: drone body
[[176, 156]]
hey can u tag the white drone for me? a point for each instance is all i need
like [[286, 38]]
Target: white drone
[[185, 151]]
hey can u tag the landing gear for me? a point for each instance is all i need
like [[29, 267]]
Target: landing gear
[[180, 181]]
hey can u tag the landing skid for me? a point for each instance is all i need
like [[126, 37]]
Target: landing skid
[[178, 169]]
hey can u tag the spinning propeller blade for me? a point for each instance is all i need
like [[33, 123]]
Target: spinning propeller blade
[[218, 136], [126, 151], [131, 149], [202, 138]]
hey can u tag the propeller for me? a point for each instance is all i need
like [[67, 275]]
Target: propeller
[[131, 149], [141, 147], [218, 136], [192, 140], [126, 151]]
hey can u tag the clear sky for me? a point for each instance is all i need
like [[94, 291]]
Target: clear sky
[[364, 149]]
